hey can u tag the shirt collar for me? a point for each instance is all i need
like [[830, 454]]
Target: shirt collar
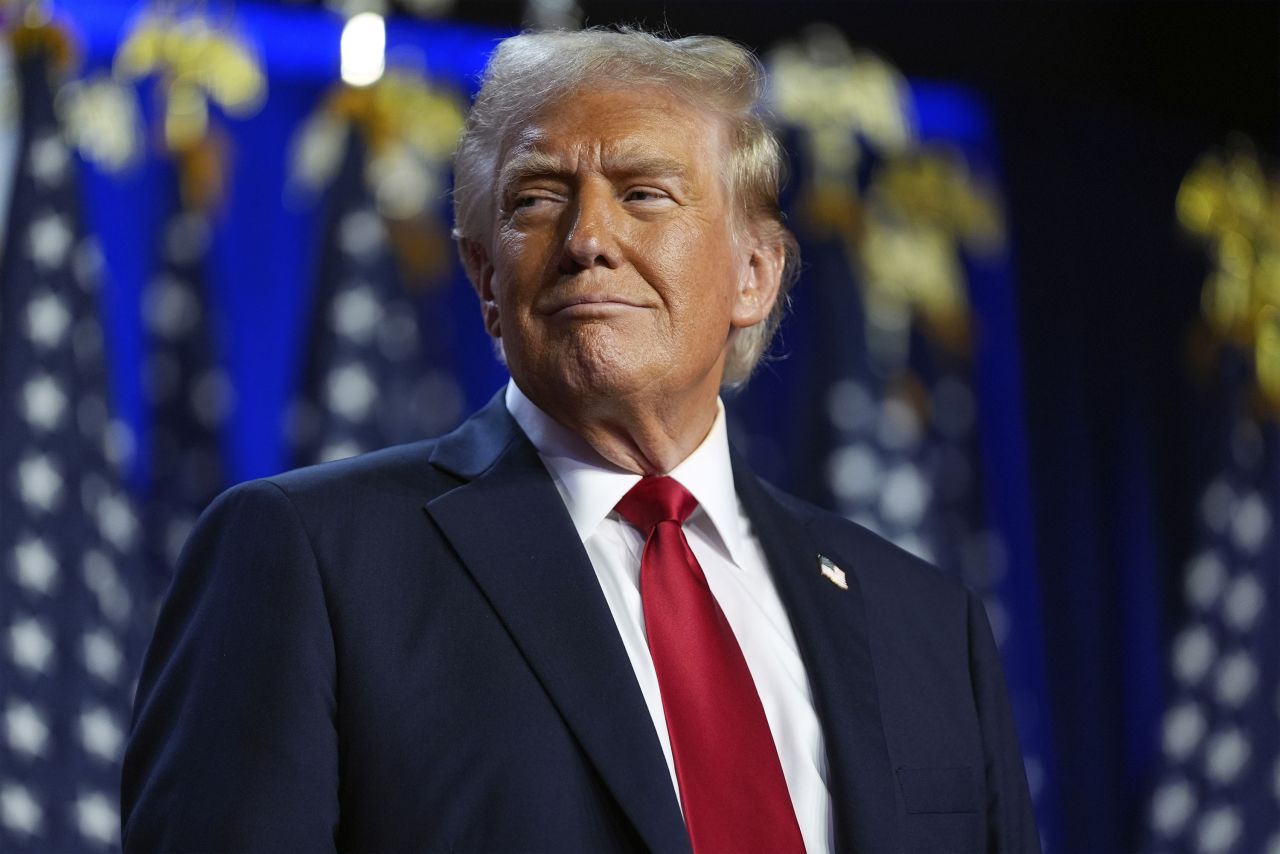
[[591, 486]]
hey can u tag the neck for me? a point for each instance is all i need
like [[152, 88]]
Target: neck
[[644, 437], [652, 448]]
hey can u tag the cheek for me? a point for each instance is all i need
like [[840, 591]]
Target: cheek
[[688, 268], [510, 250], [515, 269], [708, 271]]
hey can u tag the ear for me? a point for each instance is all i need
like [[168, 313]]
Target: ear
[[758, 283], [475, 258]]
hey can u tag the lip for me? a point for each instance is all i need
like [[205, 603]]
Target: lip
[[591, 306]]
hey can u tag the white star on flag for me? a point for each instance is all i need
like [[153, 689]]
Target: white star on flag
[[362, 233], [19, 811], [97, 818], [169, 306], [116, 521], [43, 402], [30, 645], [350, 391], [356, 313], [36, 565], [49, 241], [47, 320], [25, 729], [39, 482], [339, 451], [102, 656], [100, 734], [102, 579], [49, 159]]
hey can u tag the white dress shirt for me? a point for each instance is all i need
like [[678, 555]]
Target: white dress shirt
[[720, 535]]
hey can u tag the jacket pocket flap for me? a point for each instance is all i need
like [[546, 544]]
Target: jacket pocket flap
[[940, 790]]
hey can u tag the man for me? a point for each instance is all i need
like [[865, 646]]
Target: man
[[578, 623]]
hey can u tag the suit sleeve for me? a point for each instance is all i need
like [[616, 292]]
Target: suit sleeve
[[234, 745], [1011, 826]]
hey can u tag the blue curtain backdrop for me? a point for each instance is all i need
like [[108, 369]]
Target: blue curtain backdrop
[[1080, 538]]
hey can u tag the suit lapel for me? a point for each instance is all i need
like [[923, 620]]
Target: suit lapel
[[831, 629], [510, 527]]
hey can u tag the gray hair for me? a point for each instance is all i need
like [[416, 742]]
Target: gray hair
[[530, 70]]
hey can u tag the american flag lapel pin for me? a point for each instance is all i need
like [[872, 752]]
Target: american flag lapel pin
[[832, 573]]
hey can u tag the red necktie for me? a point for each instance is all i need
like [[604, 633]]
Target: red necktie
[[732, 789]]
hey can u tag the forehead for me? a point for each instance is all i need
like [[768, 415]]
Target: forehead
[[618, 127]]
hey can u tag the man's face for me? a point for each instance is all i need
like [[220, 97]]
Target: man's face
[[613, 270]]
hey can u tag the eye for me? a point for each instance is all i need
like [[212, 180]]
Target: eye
[[526, 200], [644, 194], [531, 201]]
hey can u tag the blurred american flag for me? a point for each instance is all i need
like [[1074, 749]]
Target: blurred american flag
[[1219, 790], [73, 608], [369, 378], [188, 394]]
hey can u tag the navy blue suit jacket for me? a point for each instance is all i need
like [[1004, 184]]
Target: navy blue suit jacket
[[409, 650]]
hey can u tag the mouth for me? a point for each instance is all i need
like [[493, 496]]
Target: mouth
[[591, 306]]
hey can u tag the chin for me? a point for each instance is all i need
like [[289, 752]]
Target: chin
[[600, 364]]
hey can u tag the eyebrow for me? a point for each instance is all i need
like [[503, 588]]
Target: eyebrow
[[536, 163], [529, 163], [635, 162]]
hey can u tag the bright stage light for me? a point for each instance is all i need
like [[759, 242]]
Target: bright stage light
[[364, 48]]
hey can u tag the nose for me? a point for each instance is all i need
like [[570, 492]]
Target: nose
[[592, 239]]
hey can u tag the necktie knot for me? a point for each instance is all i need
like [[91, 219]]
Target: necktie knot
[[654, 500]]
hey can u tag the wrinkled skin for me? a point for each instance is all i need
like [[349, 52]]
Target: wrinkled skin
[[613, 274]]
